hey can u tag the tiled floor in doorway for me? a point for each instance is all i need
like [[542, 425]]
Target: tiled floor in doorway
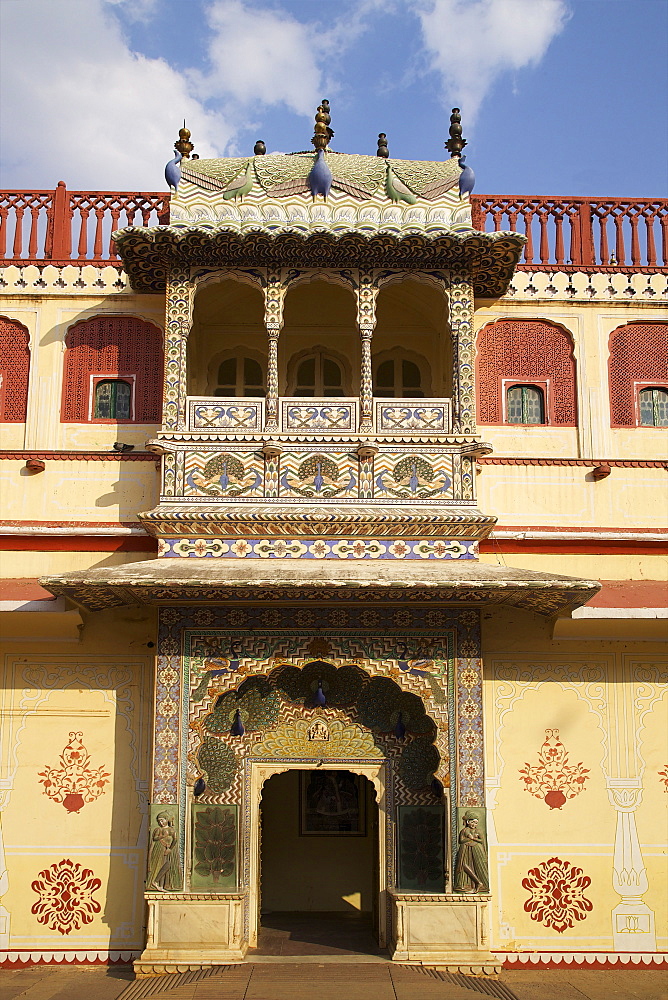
[[328, 934]]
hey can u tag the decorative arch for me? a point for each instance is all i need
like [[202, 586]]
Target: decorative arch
[[116, 346], [255, 279], [372, 717], [343, 279], [638, 358], [14, 371], [526, 352]]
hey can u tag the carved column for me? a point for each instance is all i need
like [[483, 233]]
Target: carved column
[[366, 321], [274, 296], [632, 919], [463, 353], [178, 322]]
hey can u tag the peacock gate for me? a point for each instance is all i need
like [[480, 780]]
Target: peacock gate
[[328, 700]]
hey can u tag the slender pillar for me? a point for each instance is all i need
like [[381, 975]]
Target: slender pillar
[[273, 322], [463, 354], [632, 920], [177, 328], [366, 321]]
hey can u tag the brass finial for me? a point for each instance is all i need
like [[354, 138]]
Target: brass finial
[[322, 132], [382, 146], [259, 148], [455, 143], [183, 145]]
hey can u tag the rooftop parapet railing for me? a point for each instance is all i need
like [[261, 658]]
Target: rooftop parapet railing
[[72, 227], [592, 234], [589, 234]]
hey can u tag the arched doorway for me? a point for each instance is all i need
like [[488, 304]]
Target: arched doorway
[[319, 863]]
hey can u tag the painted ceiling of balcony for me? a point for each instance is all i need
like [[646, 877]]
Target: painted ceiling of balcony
[[407, 304]]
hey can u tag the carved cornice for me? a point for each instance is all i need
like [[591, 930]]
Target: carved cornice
[[149, 253]]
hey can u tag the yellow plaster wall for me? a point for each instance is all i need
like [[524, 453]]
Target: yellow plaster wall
[[608, 702], [78, 490], [310, 873], [568, 496], [588, 567], [15, 565], [48, 317], [101, 688], [590, 325]]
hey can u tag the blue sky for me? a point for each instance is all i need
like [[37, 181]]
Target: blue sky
[[558, 97]]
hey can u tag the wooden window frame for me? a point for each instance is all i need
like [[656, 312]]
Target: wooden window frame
[[534, 383], [637, 389], [116, 377]]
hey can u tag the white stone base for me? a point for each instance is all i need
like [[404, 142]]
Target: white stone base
[[192, 931], [447, 930]]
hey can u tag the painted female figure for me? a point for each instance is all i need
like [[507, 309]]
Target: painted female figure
[[471, 864], [163, 862]]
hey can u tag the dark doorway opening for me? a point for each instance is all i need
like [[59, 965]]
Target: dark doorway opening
[[318, 865]]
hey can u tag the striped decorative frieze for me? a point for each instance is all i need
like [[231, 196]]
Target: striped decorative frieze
[[304, 547]]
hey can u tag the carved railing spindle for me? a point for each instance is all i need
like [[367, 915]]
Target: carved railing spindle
[[18, 233]]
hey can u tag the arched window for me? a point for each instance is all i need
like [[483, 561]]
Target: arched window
[[14, 371], [638, 368], [525, 404], [108, 350], [318, 375], [653, 407], [398, 378], [517, 353], [113, 399], [240, 377]]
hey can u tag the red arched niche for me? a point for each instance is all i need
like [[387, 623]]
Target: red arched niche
[[526, 351], [638, 354], [114, 346], [14, 370]]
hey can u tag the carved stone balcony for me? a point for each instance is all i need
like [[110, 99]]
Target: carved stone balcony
[[326, 415]]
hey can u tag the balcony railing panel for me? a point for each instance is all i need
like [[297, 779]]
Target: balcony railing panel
[[581, 233], [590, 234], [320, 415]]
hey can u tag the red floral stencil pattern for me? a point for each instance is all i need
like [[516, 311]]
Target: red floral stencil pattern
[[557, 897], [553, 779], [663, 775], [65, 893], [74, 783]]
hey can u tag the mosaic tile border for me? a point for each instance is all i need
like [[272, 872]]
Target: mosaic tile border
[[305, 547]]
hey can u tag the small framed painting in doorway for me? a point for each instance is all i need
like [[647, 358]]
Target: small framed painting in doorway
[[332, 804]]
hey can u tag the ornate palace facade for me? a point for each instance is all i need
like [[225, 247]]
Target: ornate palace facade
[[333, 546]]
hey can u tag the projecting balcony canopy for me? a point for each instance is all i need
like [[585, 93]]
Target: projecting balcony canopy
[[185, 581], [148, 253]]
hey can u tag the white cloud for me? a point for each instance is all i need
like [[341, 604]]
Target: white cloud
[[470, 43], [80, 106], [264, 55]]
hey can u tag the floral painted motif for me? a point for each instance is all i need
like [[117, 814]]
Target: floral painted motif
[[664, 777], [553, 779], [65, 893], [74, 782], [557, 898]]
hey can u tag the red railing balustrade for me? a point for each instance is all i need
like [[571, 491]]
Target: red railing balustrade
[[590, 234], [72, 227]]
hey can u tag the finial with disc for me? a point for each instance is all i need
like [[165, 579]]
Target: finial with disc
[[183, 145], [455, 143], [322, 132], [382, 146]]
